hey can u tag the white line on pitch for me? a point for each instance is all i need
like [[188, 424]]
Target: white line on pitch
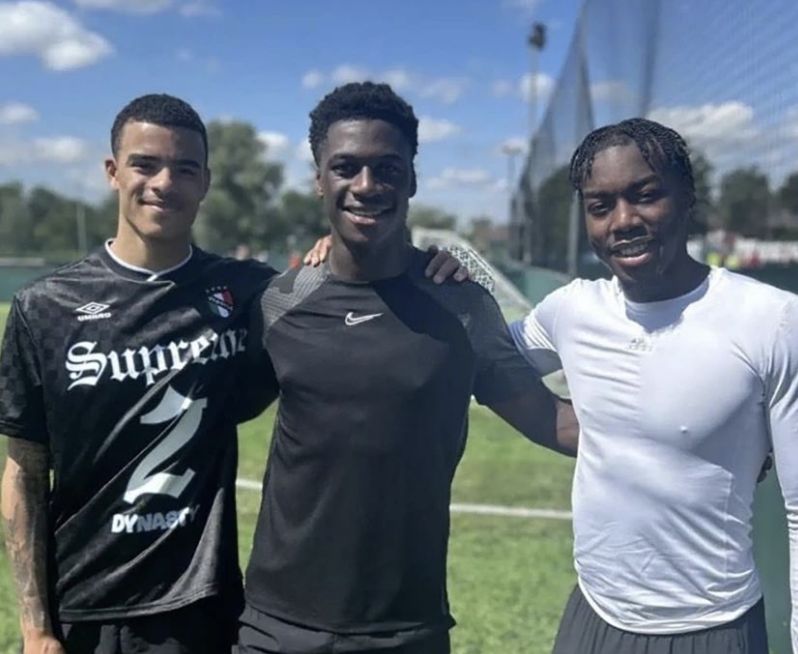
[[479, 509]]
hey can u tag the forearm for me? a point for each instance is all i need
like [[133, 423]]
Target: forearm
[[567, 428], [23, 504], [542, 418]]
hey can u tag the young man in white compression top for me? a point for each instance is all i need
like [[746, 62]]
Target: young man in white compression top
[[682, 377]]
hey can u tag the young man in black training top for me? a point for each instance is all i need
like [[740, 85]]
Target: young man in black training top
[[376, 367], [120, 373]]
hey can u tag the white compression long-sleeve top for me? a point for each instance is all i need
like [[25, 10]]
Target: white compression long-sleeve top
[[678, 402]]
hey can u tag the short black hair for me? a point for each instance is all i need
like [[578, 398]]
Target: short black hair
[[664, 150], [362, 100], [158, 109]]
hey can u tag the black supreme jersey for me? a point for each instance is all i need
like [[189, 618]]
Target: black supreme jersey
[[375, 382], [130, 379]]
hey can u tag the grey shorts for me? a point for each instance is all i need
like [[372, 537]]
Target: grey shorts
[[582, 631]]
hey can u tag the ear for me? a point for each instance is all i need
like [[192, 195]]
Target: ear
[[413, 183], [110, 172]]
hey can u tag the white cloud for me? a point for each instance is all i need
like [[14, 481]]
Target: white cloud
[[184, 54], [526, 5], [514, 145], [33, 27], [13, 113], [312, 79], [398, 78], [199, 8], [461, 177], [276, 143], [444, 89], [502, 88], [56, 150], [790, 123], [88, 181], [611, 91], [543, 86], [126, 6], [432, 129], [303, 152], [718, 130], [60, 149], [345, 74]]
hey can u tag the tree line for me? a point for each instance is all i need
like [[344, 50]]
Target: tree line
[[744, 204], [246, 205]]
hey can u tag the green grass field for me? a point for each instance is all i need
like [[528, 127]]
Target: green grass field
[[508, 577]]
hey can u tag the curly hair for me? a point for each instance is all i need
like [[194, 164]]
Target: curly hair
[[663, 149], [362, 100], [158, 109]]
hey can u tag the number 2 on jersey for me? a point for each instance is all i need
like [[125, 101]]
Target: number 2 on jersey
[[144, 480]]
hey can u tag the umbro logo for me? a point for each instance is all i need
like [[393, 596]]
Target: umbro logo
[[351, 319], [93, 311]]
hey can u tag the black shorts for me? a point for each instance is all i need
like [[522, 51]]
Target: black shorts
[[207, 626], [260, 633], [582, 631]]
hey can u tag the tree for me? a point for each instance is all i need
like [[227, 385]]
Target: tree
[[431, 218], [303, 217], [702, 175], [745, 202], [15, 234], [555, 198], [788, 194], [240, 205]]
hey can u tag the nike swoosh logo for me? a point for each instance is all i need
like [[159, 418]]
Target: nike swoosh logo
[[351, 319]]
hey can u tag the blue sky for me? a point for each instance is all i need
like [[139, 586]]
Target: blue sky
[[67, 67]]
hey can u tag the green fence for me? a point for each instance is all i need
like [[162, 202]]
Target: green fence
[[12, 277]]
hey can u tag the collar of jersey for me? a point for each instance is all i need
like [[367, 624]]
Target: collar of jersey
[[685, 298], [416, 264], [138, 273]]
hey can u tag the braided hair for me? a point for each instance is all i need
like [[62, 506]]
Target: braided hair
[[663, 149]]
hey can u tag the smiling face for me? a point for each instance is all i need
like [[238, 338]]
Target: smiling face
[[636, 221], [161, 177], [366, 179]]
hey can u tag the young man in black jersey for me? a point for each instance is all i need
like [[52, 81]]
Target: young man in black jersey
[[376, 367], [118, 373]]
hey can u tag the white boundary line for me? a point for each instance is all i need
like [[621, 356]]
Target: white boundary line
[[475, 509]]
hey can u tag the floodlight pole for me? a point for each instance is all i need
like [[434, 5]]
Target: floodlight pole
[[536, 42], [511, 151]]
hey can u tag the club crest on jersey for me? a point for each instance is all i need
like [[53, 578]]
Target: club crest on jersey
[[220, 300]]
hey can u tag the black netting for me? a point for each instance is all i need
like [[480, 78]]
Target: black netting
[[723, 73]]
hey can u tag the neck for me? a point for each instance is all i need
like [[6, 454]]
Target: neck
[[684, 275], [150, 254], [366, 263]]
